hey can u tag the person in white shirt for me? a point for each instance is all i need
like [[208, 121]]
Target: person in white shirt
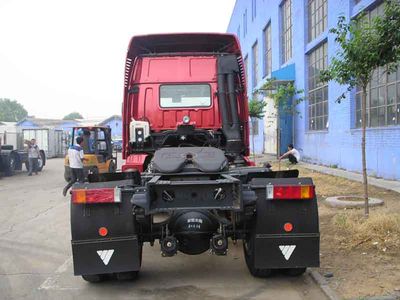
[[292, 154], [33, 157], [76, 158]]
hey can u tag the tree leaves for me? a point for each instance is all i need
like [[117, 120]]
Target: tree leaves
[[364, 46], [256, 108], [11, 110], [73, 116], [282, 94]]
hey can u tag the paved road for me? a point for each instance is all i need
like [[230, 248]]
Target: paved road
[[35, 257]]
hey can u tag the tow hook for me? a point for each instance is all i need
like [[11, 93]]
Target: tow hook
[[219, 244], [169, 246]]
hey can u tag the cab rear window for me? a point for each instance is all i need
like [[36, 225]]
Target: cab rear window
[[185, 95]]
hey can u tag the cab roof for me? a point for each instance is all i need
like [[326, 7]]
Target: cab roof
[[183, 42]]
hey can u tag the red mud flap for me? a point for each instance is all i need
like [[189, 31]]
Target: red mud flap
[[275, 251], [106, 256]]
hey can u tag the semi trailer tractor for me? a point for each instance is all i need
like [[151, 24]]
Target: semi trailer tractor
[[13, 153], [187, 184]]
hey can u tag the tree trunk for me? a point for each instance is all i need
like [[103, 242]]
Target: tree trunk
[[363, 154], [252, 139]]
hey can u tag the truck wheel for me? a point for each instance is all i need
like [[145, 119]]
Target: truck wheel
[[249, 255], [111, 167], [132, 275], [125, 276], [94, 278], [294, 272], [41, 162], [12, 164]]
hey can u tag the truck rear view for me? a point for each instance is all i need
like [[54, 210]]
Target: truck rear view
[[188, 182]]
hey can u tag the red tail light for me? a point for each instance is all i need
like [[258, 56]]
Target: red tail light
[[87, 196], [291, 192], [288, 227], [103, 231]]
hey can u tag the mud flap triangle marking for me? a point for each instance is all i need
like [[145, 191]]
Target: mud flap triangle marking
[[105, 255], [287, 250]]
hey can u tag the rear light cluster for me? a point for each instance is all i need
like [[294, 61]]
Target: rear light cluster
[[290, 192], [104, 195]]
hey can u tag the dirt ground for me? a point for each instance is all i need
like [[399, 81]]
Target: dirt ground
[[364, 266]]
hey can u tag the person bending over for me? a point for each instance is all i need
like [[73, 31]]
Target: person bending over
[[292, 154], [76, 158]]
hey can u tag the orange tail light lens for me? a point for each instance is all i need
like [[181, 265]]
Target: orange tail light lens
[[88, 196], [291, 192]]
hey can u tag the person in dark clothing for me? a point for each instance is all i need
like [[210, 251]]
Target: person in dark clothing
[[76, 158]]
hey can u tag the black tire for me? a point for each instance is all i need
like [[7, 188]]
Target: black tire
[[294, 272], [11, 164], [125, 276], [96, 278], [41, 161], [131, 275], [249, 255], [112, 168]]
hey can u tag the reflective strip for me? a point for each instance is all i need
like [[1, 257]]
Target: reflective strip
[[117, 194], [270, 192]]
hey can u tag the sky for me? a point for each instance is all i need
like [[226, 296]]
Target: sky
[[62, 56]]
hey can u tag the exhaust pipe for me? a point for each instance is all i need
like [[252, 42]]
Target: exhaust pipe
[[227, 69]]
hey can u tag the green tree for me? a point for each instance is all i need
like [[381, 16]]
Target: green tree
[[73, 116], [364, 47], [256, 112], [282, 94], [285, 97], [11, 110]]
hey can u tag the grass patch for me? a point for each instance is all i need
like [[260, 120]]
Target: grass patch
[[380, 231]]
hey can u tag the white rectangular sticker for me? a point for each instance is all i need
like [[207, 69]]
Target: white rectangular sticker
[[270, 191], [117, 194]]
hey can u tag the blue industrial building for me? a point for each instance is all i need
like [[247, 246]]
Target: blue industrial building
[[34, 123], [115, 123], [288, 40]]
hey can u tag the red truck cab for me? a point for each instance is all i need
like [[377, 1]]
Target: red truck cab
[[172, 81]]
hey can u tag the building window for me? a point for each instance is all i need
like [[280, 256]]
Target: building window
[[383, 100], [268, 50], [383, 93], [317, 18], [286, 32], [255, 64], [246, 70], [253, 9], [245, 23], [317, 91]]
